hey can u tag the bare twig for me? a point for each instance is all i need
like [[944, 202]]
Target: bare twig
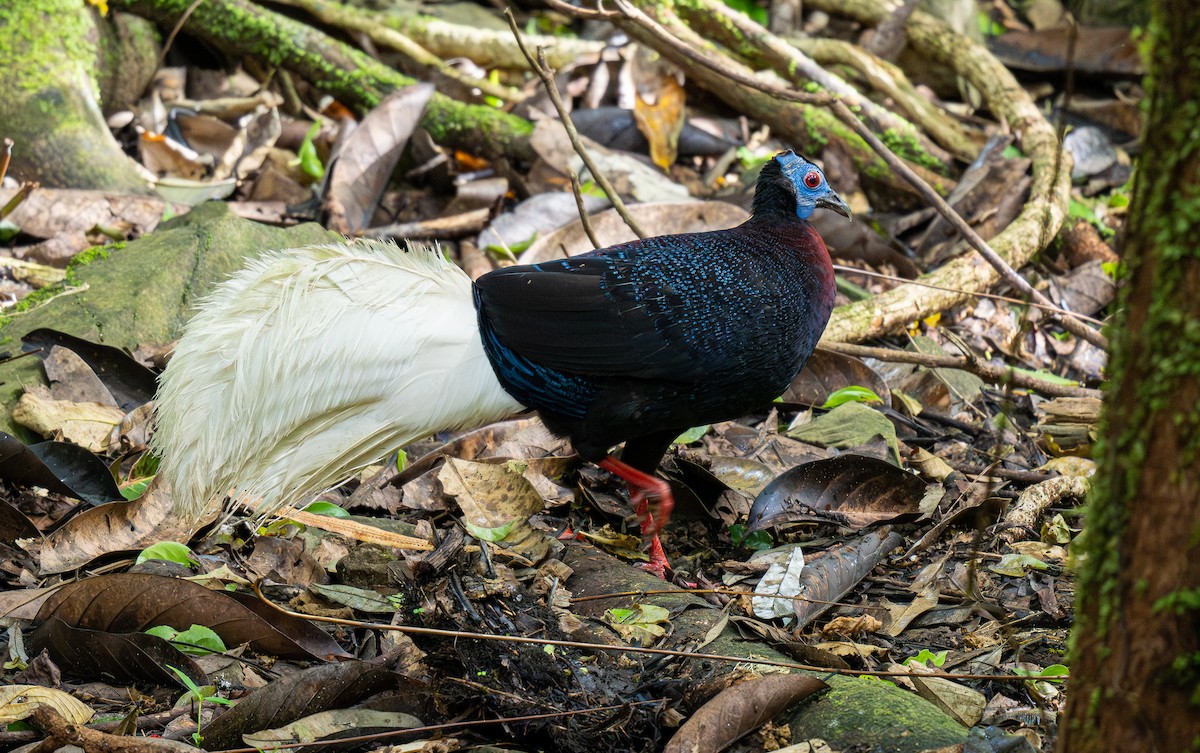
[[974, 294], [996, 374], [1067, 319], [622, 649], [166, 47], [21, 194], [793, 65], [436, 228], [6, 157], [546, 75], [584, 217], [847, 116]]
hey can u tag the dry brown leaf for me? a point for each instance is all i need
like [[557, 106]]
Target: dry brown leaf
[[739, 710], [86, 424]]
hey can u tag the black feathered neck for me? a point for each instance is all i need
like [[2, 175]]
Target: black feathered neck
[[774, 194]]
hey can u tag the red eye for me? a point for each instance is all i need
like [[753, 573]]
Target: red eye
[[812, 179]]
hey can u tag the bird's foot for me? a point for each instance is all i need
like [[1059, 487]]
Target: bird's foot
[[649, 495], [658, 563], [651, 499]]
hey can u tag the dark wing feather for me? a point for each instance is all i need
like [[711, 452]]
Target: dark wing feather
[[590, 315]]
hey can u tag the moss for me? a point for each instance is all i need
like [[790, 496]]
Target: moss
[[1154, 368], [909, 147], [70, 280], [30, 27]]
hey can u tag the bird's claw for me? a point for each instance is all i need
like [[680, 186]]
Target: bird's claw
[[658, 563]]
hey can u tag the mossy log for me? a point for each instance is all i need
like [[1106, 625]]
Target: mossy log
[[1031, 230], [355, 78], [809, 127]]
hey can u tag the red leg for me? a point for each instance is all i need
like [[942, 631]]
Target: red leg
[[643, 489]]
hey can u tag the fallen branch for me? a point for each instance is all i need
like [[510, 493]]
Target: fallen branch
[[1051, 215], [999, 375], [717, 21], [352, 19], [355, 78]]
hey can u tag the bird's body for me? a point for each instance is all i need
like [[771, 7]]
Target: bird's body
[[312, 363], [653, 337]]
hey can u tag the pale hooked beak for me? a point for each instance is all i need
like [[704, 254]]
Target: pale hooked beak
[[834, 202]]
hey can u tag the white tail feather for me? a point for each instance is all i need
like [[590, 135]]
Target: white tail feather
[[312, 363]]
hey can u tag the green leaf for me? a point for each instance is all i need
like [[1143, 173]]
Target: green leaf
[[848, 425], [1016, 565], [926, 656], [168, 551], [756, 541], [8, 231], [500, 533], [199, 640], [748, 159], [1046, 376], [852, 394], [132, 490], [328, 509], [751, 9], [692, 435], [307, 157], [140, 476], [166, 632]]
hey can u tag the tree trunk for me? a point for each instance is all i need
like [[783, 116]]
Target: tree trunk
[[48, 98], [1136, 648]]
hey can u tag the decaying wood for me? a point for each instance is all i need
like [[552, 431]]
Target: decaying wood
[[355, 78], [1026, 514], [1032, 229]]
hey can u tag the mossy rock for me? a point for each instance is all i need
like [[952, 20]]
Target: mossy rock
[[856, 712], [141, 292]]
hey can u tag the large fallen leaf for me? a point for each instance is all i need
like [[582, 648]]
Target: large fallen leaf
[[497, 501], [363, 162], [59, 467], [852, 490], [117, 657], [133, 602], [89, 425], [296, 696], [846, 426], [963, 703], [18, 702], [739, 710], [117, 527], [130, 383], [831, 574], [827, 372], [331, 725]]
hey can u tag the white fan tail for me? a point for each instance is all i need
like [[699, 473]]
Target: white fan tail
[[312, 363]]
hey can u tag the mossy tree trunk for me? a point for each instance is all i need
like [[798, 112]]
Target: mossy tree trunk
[[49, 96], [1135, 662]]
